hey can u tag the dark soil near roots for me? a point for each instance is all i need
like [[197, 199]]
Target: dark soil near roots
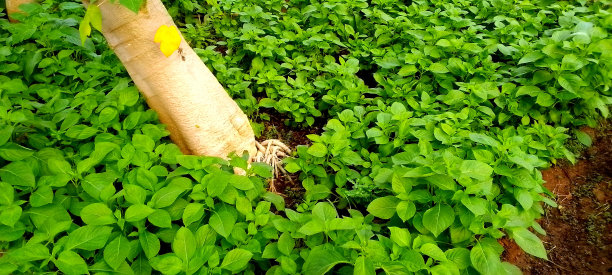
[[288, 186], [579, 231]]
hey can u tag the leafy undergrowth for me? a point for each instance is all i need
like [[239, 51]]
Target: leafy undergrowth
[[438, 116]]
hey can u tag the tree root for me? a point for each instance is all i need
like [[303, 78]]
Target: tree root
[[271, 152]]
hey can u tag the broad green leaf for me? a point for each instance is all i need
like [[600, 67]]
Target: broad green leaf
[[478, 206], [70, 263], [184, 244], [167, 264], [14, 152], [485, 260], [405, 210], [317, 150], [285, 243], [149, 243], [138, 212], [166, 196], [18, 173], [476, 169], [584, 138], [570, 82], [528, 242], [433, 251], [363, 266], [236, 260], [400, 236], [223, 221], [97, 214], [89, 237], [7, 193], [192, 213], [160, 218], [42, 196], [116, 252], [438, 218], [531, 57], [322, 259], [384, 207], [10, 215]]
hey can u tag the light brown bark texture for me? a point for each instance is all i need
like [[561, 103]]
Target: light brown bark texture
[[201, 117], [12, 7]]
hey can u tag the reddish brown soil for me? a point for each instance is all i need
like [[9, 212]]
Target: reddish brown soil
[[579, 231], [288, 186]]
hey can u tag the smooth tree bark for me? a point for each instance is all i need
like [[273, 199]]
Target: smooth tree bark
[[12, 7], [201, 117]]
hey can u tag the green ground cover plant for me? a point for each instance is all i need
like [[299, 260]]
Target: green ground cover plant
[[438, 116]]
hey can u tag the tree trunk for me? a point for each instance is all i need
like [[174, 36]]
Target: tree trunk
[[200, 115], [12, 7]]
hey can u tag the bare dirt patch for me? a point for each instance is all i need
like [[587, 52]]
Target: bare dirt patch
[[579, 231]]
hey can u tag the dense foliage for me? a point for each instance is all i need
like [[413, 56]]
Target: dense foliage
[[438, 115]]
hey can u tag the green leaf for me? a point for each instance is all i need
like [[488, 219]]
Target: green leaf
[[222, 221], [70, 263], [317, 150], [116, 252], [438, 218], [476, 169], [584, 138], [570, 82], [137, 212], [405, 210], [160, 218], [528, 242], [42, 196], [312, 227], [285, 243], [524, 197], [134, 194], [485, 260], [5, 133], [478, 206], [14, 152], [433, 251], [236, 260], [18, 173], [321, 259], [167, 264], [484, 139], [7, 193], [97, 214], [10, 215], [363, 266], [89, 237], [241, 182], [531, 57], [133, 5], [193, 212], [400, 236], [166, 196], [184, 244], [384, 207], [438, 68], [149, 243]]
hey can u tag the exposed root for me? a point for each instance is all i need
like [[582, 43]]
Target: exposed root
[[271, 152]]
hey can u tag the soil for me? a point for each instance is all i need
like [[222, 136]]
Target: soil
[[289, 185], [579, 231]]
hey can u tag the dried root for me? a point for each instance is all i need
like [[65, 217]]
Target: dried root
[[271, 152]]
